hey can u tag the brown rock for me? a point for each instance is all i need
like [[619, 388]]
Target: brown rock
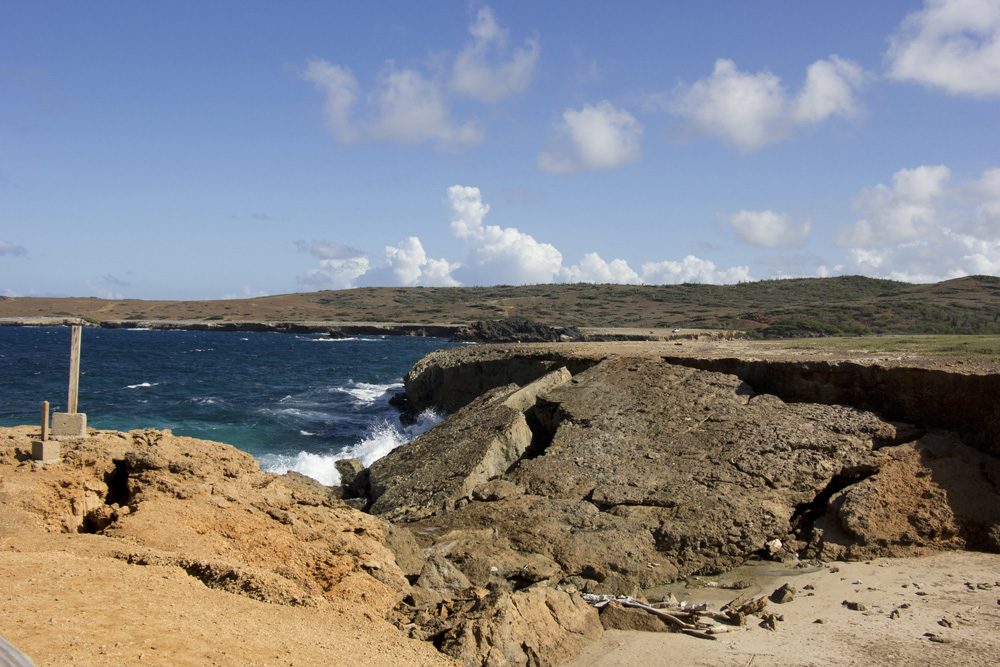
[[616, 617], [538, 626]]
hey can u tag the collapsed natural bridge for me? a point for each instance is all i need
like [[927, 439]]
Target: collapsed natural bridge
[[611, 469], [563, 468]]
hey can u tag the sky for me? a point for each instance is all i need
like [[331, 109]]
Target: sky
[[206, 150]]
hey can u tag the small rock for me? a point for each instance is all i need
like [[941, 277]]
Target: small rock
[[944, 623], [855, 606], [821, 621], [782, 595], [770, 621]]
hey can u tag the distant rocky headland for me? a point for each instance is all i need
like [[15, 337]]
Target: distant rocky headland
[[500, 331], [563, 470]]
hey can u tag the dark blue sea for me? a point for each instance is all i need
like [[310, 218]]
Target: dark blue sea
[[295, 402]]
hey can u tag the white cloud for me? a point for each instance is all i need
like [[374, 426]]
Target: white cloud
[[7, 248], [829, 91], [411, 107], [498, 255], [474, 76], [691, 269], [409, 264], [768, 229], [925, 229], [405, 107], [335, 273], [593, 269], [949, 44], [595, 137], [342, 91], [902, 213], [327, 250], [753, 110], [494, 255]]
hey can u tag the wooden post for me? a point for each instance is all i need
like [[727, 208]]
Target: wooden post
[[45, 421], [74, 370]]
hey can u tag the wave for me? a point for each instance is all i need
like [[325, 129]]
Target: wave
[[141, 385], [382, 437], [366, 393]]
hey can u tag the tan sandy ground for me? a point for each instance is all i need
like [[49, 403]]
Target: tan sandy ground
[[70, 598], [955, 596]]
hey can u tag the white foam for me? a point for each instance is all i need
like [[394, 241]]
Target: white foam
[[382, 438], [318, 466], [365, 393], [140, 385]]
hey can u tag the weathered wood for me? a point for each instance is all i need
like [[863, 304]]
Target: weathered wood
[[45, 421], [74, 370]]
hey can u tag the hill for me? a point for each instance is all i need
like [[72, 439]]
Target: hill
[[847, 305]]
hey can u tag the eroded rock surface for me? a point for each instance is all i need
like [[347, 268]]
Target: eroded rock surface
[[124, 512], [642, 471]]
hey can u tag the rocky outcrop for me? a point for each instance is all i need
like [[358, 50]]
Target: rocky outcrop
[[641, 471], [514, 331], [452, 378], [207, 508], [931, 398], [437, 471], [337, 330]]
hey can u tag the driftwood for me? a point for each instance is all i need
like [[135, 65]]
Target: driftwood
[[686, 619]]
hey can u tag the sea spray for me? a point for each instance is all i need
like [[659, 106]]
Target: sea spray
[[382, 437]]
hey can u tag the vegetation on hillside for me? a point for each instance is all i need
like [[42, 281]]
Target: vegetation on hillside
[[848, 305]]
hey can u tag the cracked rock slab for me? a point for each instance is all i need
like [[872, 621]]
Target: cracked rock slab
[[649, 471]]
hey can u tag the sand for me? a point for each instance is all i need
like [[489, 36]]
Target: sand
[[948, 613]]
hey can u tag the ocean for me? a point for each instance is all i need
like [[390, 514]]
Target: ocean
[[294, 401]]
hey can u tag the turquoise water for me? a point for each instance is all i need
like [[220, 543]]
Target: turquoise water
[[293, 401]]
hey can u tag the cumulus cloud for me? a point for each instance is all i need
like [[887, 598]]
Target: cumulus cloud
[[339, 266], [949, 44], [483, 70], [768, 229], [494, 255], [498, 255], [8, 248], [901, 213], [595, 137], [692, 269], [412, 107], [405, 107], [593, 269], [925, 228], [407, 264], [753, 110]]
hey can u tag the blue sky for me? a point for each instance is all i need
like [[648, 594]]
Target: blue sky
[[201, 150]]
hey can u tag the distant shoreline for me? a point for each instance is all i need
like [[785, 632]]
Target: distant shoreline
[[333, 328], [345, 329]]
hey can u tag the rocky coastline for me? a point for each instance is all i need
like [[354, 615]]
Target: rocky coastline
[[563, 469]]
